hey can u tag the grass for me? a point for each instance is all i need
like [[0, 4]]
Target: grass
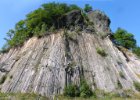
[[32, 96], [92, 98], [21, 96]]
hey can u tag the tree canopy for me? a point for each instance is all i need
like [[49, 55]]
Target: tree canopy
[[87, 8], [37, 23], [125, 39]]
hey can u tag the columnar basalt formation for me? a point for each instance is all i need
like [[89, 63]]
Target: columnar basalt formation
[[48, 64]]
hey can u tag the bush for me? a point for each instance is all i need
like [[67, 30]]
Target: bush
[[119, 85], [3, 79], [137, 86], [85, 90], [121, 75], [71, 91], [101, 52]]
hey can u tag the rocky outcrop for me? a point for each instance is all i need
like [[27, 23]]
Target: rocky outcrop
[[46, 65], [101, 23]]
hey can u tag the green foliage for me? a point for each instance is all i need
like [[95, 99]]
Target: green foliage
[[74, 91], [119, 84], [125, 39], [85, 90], [3, 79], [121, 75], [37, 23], [71, 91], [21, 96], [101, 52], [136, 50], [87, 8], [137, 86]]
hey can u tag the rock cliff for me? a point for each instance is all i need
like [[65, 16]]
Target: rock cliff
[[46, 65]]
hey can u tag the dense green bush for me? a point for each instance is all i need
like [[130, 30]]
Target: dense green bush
[[101, 52], [137, 86], [85, 90], [71, 91]]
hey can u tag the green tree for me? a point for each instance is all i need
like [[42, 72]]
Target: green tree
[[125, 39], [74, 7], [87, 8], [37, 22], [10, 34]]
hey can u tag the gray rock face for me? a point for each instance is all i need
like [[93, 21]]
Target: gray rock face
[[101, 22], [46, 65]]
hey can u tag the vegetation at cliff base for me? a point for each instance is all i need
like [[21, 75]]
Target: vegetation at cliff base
[[82, 91], [21, 96]]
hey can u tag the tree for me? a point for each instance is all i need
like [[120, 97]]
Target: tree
[[74, 7], [10, 34], [37, 22], [87, 8], [125, 39]]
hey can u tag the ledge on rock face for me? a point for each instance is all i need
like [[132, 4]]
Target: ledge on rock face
[[101, 22]]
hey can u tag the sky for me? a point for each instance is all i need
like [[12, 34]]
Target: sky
[[122, 13]]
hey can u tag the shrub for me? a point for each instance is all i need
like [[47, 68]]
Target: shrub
[[3, 79], [101, 52], [71, 91], [137, 86], [11, 77], [85, 90], [121, 75], [119, 85]]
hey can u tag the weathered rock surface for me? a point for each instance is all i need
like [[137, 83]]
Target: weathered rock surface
[[46, 65]]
